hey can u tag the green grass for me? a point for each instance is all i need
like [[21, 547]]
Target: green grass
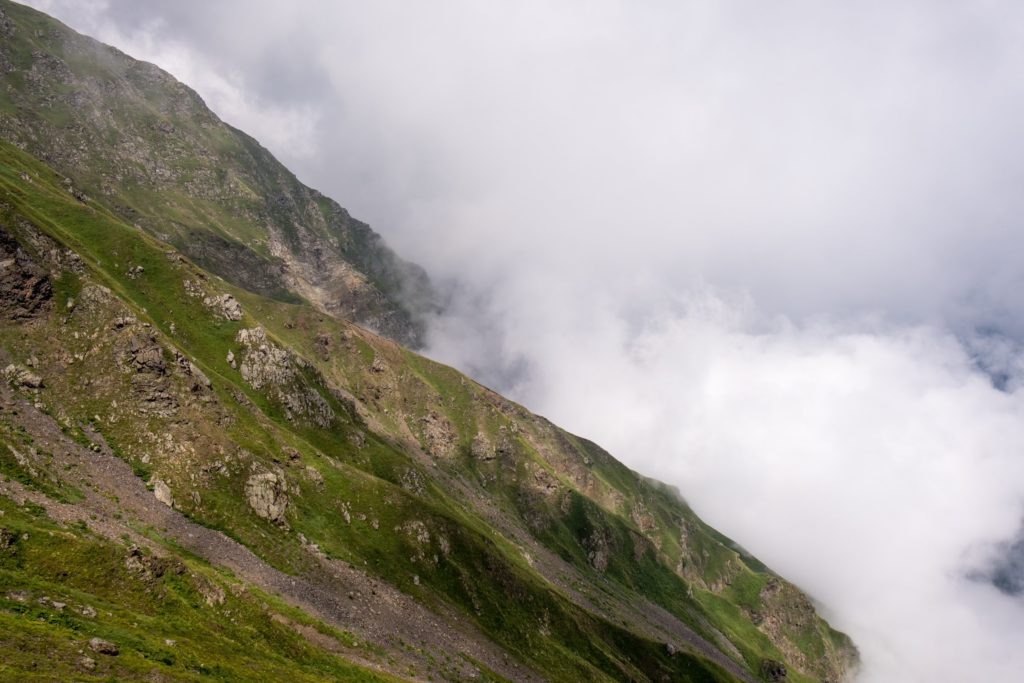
[[238, 640], [478, 570]]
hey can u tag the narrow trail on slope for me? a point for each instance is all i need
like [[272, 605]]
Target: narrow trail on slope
[[333, 591]]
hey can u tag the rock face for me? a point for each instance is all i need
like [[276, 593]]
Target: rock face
[[25, 288], [438, 435], [141, 356], [199, 379], [266, 493]]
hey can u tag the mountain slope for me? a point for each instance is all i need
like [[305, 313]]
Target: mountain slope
[[128, 135], [284, 493]]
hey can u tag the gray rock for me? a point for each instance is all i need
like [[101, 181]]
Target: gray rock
[[225, 305], [199, 379], [162, 492], [264, 363], [266, 366], [266, 493], [142, 353], [104, 647], [22, 377]]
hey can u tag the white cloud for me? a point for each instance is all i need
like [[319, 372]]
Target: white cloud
[[874, 465], [747, 248]]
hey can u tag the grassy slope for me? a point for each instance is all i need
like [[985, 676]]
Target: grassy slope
[[163, 625], [481, 570]]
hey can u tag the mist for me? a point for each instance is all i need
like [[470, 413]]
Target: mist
[[770, 254]]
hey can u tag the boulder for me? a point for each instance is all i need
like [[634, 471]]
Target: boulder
[[104, 647], [266, 493], [162, 492]]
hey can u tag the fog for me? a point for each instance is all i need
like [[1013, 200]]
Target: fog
[[766, 252]]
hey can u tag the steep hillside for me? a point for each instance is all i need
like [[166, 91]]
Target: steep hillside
[[377, 478], [129, 136], [218, 481]]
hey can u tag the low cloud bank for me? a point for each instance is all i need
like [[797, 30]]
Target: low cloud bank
[[876, 466], [768, 253]]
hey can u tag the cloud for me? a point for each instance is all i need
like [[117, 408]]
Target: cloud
[[274, 121], [874, 466], [769, 253]]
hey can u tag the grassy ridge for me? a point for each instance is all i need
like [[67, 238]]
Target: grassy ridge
[[389, 460], [481, 572]]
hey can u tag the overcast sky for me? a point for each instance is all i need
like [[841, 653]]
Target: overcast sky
[[769, 252]]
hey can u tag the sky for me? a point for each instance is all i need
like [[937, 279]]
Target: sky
[[766, 252]]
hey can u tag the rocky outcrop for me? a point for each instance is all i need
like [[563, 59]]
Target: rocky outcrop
[[773, 670], [149, 567], [599, 550], [225, 306], [267, 367], [439, 436], [140, 352], [25, 288], [199, 380], [267, 495], [785, 611], [263, 362], [481, 448], [141, 356]]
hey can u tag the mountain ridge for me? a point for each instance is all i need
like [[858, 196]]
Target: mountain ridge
[[146, 395], [146, 146]]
